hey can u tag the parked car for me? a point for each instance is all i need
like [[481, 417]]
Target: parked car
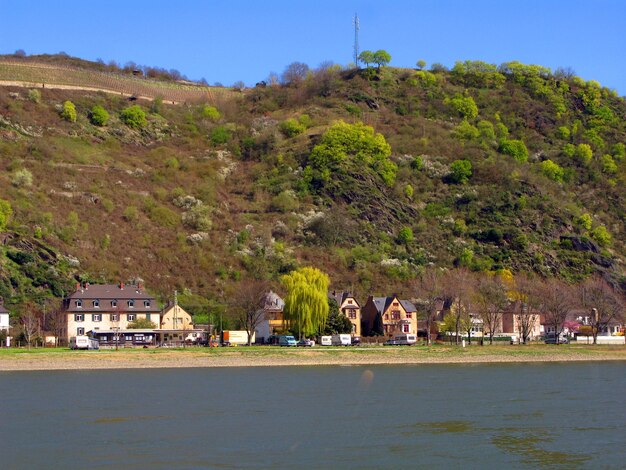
[[552, 339], [392, 342], [306, 343], [287, 340], [356, 341]]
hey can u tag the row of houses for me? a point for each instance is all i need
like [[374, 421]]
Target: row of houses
[[112, 313]]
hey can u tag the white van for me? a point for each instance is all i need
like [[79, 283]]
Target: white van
[[341, 340], [326, 340], [84, 342], [406, 339]]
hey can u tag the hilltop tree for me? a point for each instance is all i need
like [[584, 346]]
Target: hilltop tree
[[367, 57], [421, 64], [295, 73], [381, 58], [306, 303]]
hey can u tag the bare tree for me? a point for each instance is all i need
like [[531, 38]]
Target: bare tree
[[249, 304], [429, 289], [491, 299], [29, 320], [56, 321], [295, 73], [603, 302], [557, 304], [528, 302], [458, 289]]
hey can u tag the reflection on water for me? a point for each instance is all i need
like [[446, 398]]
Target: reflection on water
[[486, 416]]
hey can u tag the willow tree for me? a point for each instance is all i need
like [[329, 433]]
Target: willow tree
[[306, 303]]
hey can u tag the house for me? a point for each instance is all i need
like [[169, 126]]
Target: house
[[177, 326], [4, 318], [349, 307], [105, 310], [272, 320], [389, 314], [512, 321]]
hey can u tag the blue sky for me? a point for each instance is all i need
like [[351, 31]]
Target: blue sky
[[226, 41]]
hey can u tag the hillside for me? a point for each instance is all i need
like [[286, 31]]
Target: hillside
[[513, 167]]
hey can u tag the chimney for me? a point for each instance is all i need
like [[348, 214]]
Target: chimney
[[77, 286], [121, 285]]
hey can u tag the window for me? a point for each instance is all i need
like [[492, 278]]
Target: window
[[409, 315], [79, 304], [131, 304], [386, 316], [79, 317], [131, 317], [96, 304], [97, 317], [148, 316], [352, 314], [114, 303], [395, 315], [395, 304], [405, 329], [80, 331], [146, 303], [115, 317], [350, 302]]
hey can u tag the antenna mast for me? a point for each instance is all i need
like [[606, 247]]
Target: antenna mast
[[355, 22]]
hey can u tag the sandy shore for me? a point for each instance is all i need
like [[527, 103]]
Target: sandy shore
[[264, 357]]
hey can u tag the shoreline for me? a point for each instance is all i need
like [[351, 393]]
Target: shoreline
[[231, 357]]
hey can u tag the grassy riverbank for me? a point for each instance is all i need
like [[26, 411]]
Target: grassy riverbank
[[64, 359]]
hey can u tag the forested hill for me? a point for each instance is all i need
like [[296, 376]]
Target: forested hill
[[369, 175]]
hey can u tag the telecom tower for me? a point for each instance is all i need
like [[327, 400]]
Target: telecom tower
[[355, 22]]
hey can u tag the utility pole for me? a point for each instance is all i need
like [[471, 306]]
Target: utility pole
[[355, 22]]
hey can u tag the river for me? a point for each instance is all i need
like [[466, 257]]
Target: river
[[550, 415]]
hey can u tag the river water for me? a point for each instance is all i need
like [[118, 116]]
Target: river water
[[557, 415]]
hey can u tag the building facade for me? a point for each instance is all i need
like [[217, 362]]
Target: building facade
[[389, 316], [349, 307]]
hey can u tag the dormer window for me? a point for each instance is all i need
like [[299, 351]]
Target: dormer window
[[96, 304], [131, 304], [146, 303], [350, 302], [114, 303], [79, 304]]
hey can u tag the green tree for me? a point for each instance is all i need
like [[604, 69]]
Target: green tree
[[69, 111], [515, 148], [34, 95], [601, 235], [306, 302], [460, 171], [220, 135], [98, 116], [141, 323], [465, 106], [608, 164], [351, 144], [381, 58], [337, 322], [552, 171], [134, 116], [421, 64], [291, 128], [584, 221], [6, 211], [367, 57]]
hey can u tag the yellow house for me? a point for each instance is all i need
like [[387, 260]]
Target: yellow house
[[389, 316], [349, 306], [174, 317]]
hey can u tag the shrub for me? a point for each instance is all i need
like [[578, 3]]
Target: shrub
[[460, 171], [563, 132], [608, 164], [601, 235], [6, 211], [584, 154], [353, 109], [69, 111], [408, 191], [34, 95], [211, 113], [619, 151], [98, 116], [134, 117], [405, 235], [130, 213], [22, 178], [466, 131], [584, 221], [417, 163], [220, 135], [291, 127], [198, 218], [286, 201], [552, 171], [515, 148]]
